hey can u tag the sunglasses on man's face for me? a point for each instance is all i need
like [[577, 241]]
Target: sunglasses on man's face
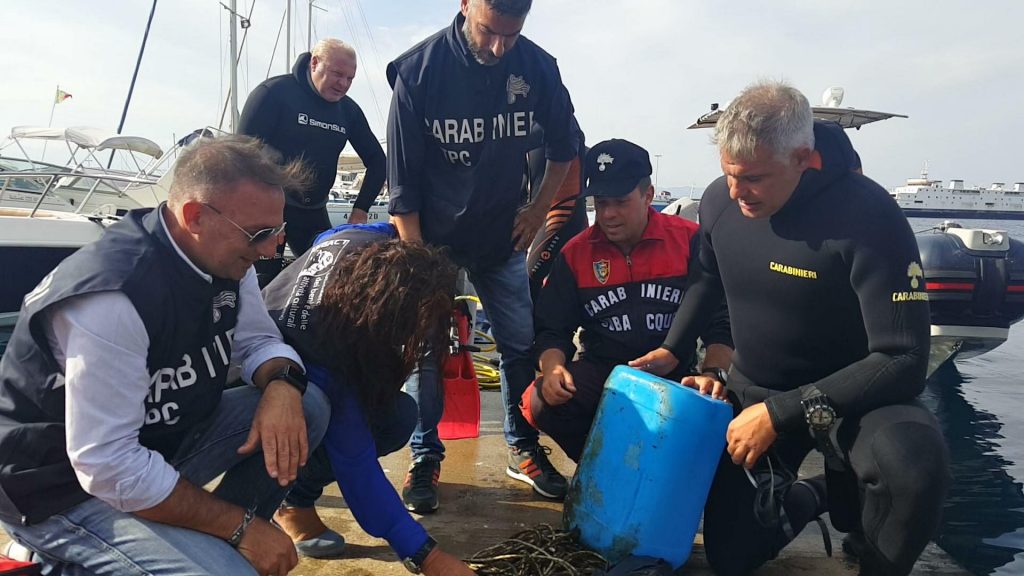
[[257, 237]]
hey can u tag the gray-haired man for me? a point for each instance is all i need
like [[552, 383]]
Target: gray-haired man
[[831, 331], [113, 412]]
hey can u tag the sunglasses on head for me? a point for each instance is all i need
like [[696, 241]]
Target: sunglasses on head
[[256, 237]]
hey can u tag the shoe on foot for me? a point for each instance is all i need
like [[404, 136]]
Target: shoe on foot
[[311, 536], [817, 486], [531, 465], [330, 544], [419, 494]]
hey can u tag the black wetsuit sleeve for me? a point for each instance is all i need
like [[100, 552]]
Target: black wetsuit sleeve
[[259, 115], [898, 332], [405, 150], [557, 313], [718, 330], [365, 143], [703, 299]]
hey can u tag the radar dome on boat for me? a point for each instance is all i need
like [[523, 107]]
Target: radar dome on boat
[[832, 97]]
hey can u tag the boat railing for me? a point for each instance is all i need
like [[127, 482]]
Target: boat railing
[[52, 178]]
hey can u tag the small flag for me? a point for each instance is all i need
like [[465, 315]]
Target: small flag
[[61, 96]]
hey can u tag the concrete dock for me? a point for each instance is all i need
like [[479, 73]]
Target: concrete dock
[[481, 506]]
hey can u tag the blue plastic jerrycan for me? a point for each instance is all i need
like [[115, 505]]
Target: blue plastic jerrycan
[[646, 468]]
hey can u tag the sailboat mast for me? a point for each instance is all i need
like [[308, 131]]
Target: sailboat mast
[[233, 41], [288, 39], [135, 75]]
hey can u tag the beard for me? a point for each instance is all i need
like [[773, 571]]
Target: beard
[[481, 55]]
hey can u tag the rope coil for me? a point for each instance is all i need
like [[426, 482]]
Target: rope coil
[[539, 551]]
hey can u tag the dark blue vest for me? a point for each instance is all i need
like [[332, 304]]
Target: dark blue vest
[[190, 323], [293, 297]]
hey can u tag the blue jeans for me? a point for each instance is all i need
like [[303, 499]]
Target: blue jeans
[[94, 538], [390, 433], [504, 291]]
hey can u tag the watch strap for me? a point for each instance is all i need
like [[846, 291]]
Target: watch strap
[[718, 374], [293, 376], [415, 562]]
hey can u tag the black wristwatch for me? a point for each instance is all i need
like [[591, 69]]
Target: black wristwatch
[[415, 562], [719, 374], [818, 411], [292, 375], [821, 420]]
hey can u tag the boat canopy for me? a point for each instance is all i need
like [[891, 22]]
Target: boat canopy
[[89, 138], [845, 117]]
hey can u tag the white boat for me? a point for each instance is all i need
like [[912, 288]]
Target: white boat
[[339, 211], [662, 199], [345, 190], [925, 198], [32, 243], [81, 184]]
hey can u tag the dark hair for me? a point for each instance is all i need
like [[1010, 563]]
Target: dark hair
[[214, 165], [384, 307], [514, 8]]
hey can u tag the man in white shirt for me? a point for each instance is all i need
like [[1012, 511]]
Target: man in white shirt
[[113, 408]]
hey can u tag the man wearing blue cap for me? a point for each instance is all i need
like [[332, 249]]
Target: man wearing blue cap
[[621, 281]]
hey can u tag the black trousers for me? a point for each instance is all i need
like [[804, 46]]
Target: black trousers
[[891, 491], [303, 226]]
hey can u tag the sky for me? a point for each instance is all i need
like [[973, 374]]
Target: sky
[[637, 69]]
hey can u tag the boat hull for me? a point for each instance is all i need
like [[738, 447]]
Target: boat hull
[[974, 214], [32, 246]]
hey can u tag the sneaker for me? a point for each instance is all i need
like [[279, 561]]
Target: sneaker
[[420, 491], [531, 465]]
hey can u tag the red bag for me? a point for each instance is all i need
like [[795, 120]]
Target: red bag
[[461, 417], [10, 567]]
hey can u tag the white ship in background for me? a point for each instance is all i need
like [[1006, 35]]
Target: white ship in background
[[924, 198]]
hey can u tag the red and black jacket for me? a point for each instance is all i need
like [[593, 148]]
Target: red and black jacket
[[624, 304]]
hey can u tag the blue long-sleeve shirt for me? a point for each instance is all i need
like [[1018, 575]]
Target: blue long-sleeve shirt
[[292, 299], [353, 454]]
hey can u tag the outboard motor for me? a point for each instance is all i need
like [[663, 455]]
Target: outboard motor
[[975, 283]]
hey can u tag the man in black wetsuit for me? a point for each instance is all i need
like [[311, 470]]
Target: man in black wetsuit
[[831, 329], [306, 114]]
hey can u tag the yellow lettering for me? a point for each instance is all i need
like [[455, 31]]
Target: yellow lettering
[[909, 296], [792, 271]]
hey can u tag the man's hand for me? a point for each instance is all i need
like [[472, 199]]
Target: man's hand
[[279, 426], [658, 361], [358, 216], [557, 386], [749, 435], [528, 220], [706, 384], [439, 563], [269, 550]]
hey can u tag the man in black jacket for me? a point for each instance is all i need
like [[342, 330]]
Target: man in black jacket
[[831, 329], [463, 105], [307, 115]]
